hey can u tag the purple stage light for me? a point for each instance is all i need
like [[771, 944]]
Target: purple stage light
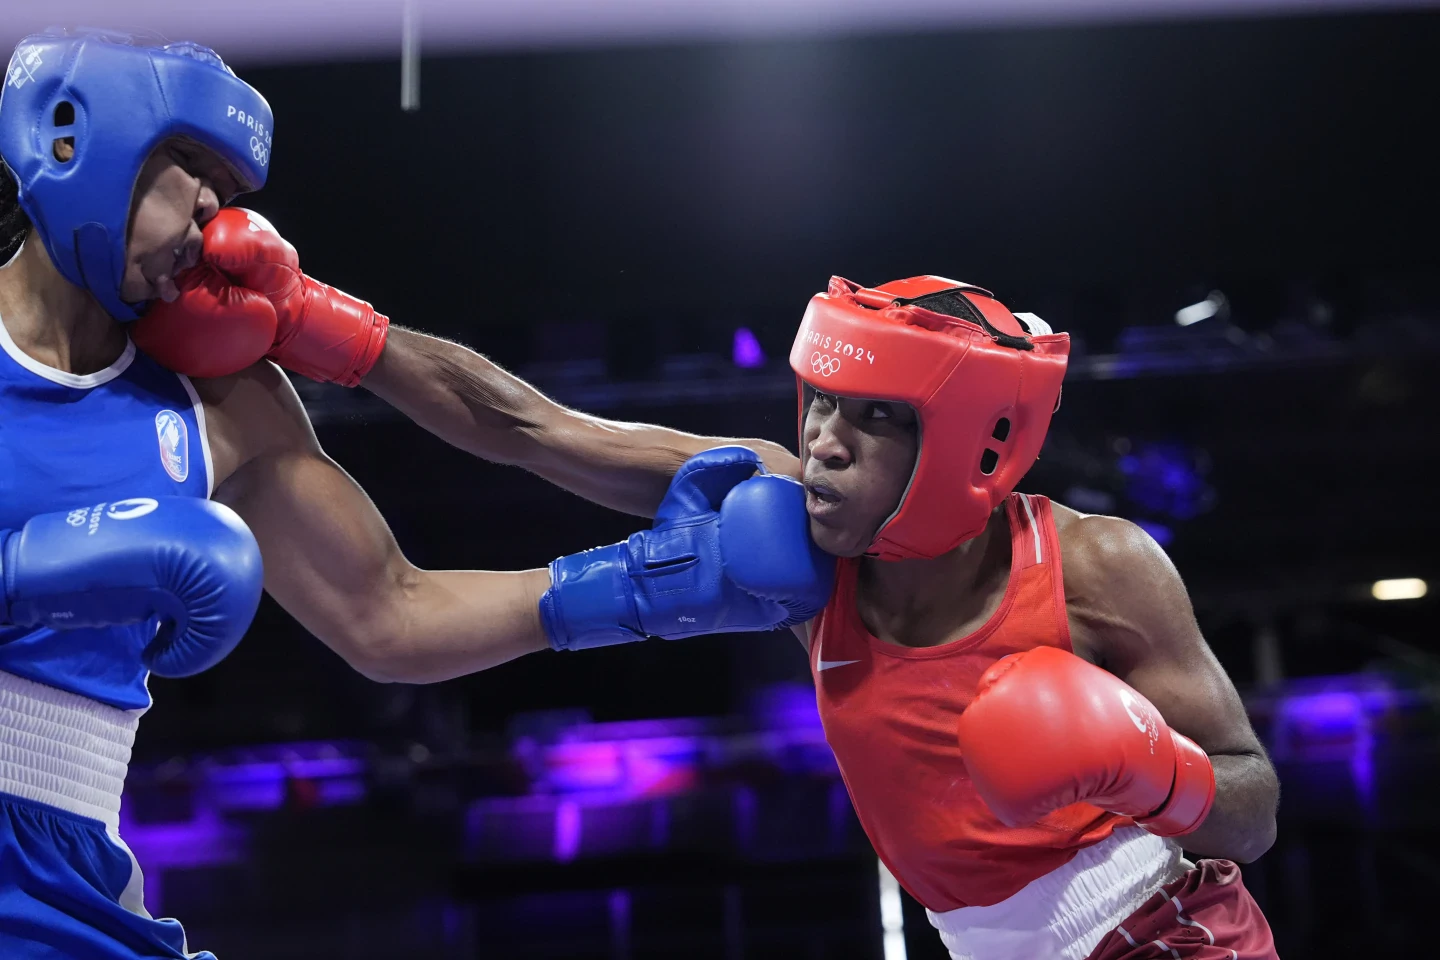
[[746, 351], [649, 766], [261, 781], [1168, 479], [567, 830], [1330, 726], [785, 706], [1335, 720]]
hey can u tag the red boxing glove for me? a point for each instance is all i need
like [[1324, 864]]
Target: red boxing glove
[[1047, 729], [312, 329], [213, 329]]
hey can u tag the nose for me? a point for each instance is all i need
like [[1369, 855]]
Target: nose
[[190, 249], [207, 205], [824, 441]]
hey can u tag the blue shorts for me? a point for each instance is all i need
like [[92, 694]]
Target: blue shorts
[[62, 883]]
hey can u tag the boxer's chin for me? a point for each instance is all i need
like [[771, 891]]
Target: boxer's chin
[[837, 540], [135, 287]]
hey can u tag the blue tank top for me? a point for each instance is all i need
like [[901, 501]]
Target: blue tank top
[[68, 442]]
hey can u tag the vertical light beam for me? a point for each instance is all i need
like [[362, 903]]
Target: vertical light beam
[[892, 916]]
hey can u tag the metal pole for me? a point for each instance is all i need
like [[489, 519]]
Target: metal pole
[[410, 57]]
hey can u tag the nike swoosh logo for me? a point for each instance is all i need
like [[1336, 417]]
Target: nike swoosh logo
[[822, 664]]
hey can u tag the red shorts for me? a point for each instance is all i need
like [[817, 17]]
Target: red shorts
[[1207, 914]]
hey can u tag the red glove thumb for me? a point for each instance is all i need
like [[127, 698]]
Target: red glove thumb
[[245, 247], [320, 332]]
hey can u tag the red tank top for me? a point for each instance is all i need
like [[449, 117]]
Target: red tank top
[[890, 715]]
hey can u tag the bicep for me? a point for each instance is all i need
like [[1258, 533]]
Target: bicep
[[1192, 691], [1142, 626], [332, 562], [330, 559]]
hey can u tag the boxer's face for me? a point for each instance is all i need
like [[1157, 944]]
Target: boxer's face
[[180, 188], [859, 455]]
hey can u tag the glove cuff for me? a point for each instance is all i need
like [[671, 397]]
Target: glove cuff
[[591, 602], [338, 339], [1191, 795]]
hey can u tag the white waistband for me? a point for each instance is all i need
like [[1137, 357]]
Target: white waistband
[[1064, 914], [64, 750]]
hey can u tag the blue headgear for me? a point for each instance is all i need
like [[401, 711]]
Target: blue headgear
[[118, 95]]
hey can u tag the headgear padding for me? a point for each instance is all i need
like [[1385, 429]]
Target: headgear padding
[[983, 389], [118, 96]]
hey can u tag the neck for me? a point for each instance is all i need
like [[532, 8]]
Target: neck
[[923, 601], [52, 320]]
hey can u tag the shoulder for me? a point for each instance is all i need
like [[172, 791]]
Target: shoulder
[[250, 413], [1122, 593], [1097, 549]]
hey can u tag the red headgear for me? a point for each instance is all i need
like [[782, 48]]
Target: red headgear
[[983, 389]]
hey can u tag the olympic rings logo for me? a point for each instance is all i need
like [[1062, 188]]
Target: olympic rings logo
[[824, 364], [259, 151]]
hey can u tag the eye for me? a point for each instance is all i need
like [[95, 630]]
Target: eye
[[823, 400], [879, 411], [184, 157]]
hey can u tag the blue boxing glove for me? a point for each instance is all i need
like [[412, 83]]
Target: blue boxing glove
[[730, 551], [189, 563]]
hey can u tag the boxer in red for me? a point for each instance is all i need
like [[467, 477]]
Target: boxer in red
[[1046, 827], [1018, 695]]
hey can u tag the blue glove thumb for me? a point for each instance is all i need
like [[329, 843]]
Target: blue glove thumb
[[700, 485]]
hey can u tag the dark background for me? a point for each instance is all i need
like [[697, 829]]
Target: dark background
[[603, 221]]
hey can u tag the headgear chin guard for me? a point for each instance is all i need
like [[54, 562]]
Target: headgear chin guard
[[983, 388], [114, 97]]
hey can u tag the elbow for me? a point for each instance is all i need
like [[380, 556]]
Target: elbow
[[1247, 829], [1257, 843], [1243, 841], [378, 660], [376, 649], [377, 639], [1262, 837], [378, 668]]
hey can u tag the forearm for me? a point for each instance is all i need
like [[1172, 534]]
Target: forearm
[[474, 405], [438, 625], [1241, 823]]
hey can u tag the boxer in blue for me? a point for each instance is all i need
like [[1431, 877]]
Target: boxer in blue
[[136, 503]]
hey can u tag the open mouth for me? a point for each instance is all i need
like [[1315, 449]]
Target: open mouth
[[821, 498]]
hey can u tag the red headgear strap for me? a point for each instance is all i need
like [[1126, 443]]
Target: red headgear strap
[[983, 390]]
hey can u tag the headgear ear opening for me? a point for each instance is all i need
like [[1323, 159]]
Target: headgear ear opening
[[983, 384]]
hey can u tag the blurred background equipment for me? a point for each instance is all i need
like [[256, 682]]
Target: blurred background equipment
[[1229, 214]]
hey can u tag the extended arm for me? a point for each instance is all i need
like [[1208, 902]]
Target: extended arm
[[1131, 613], [729, 552], [249, 288], [332, 562], [475, 405]]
